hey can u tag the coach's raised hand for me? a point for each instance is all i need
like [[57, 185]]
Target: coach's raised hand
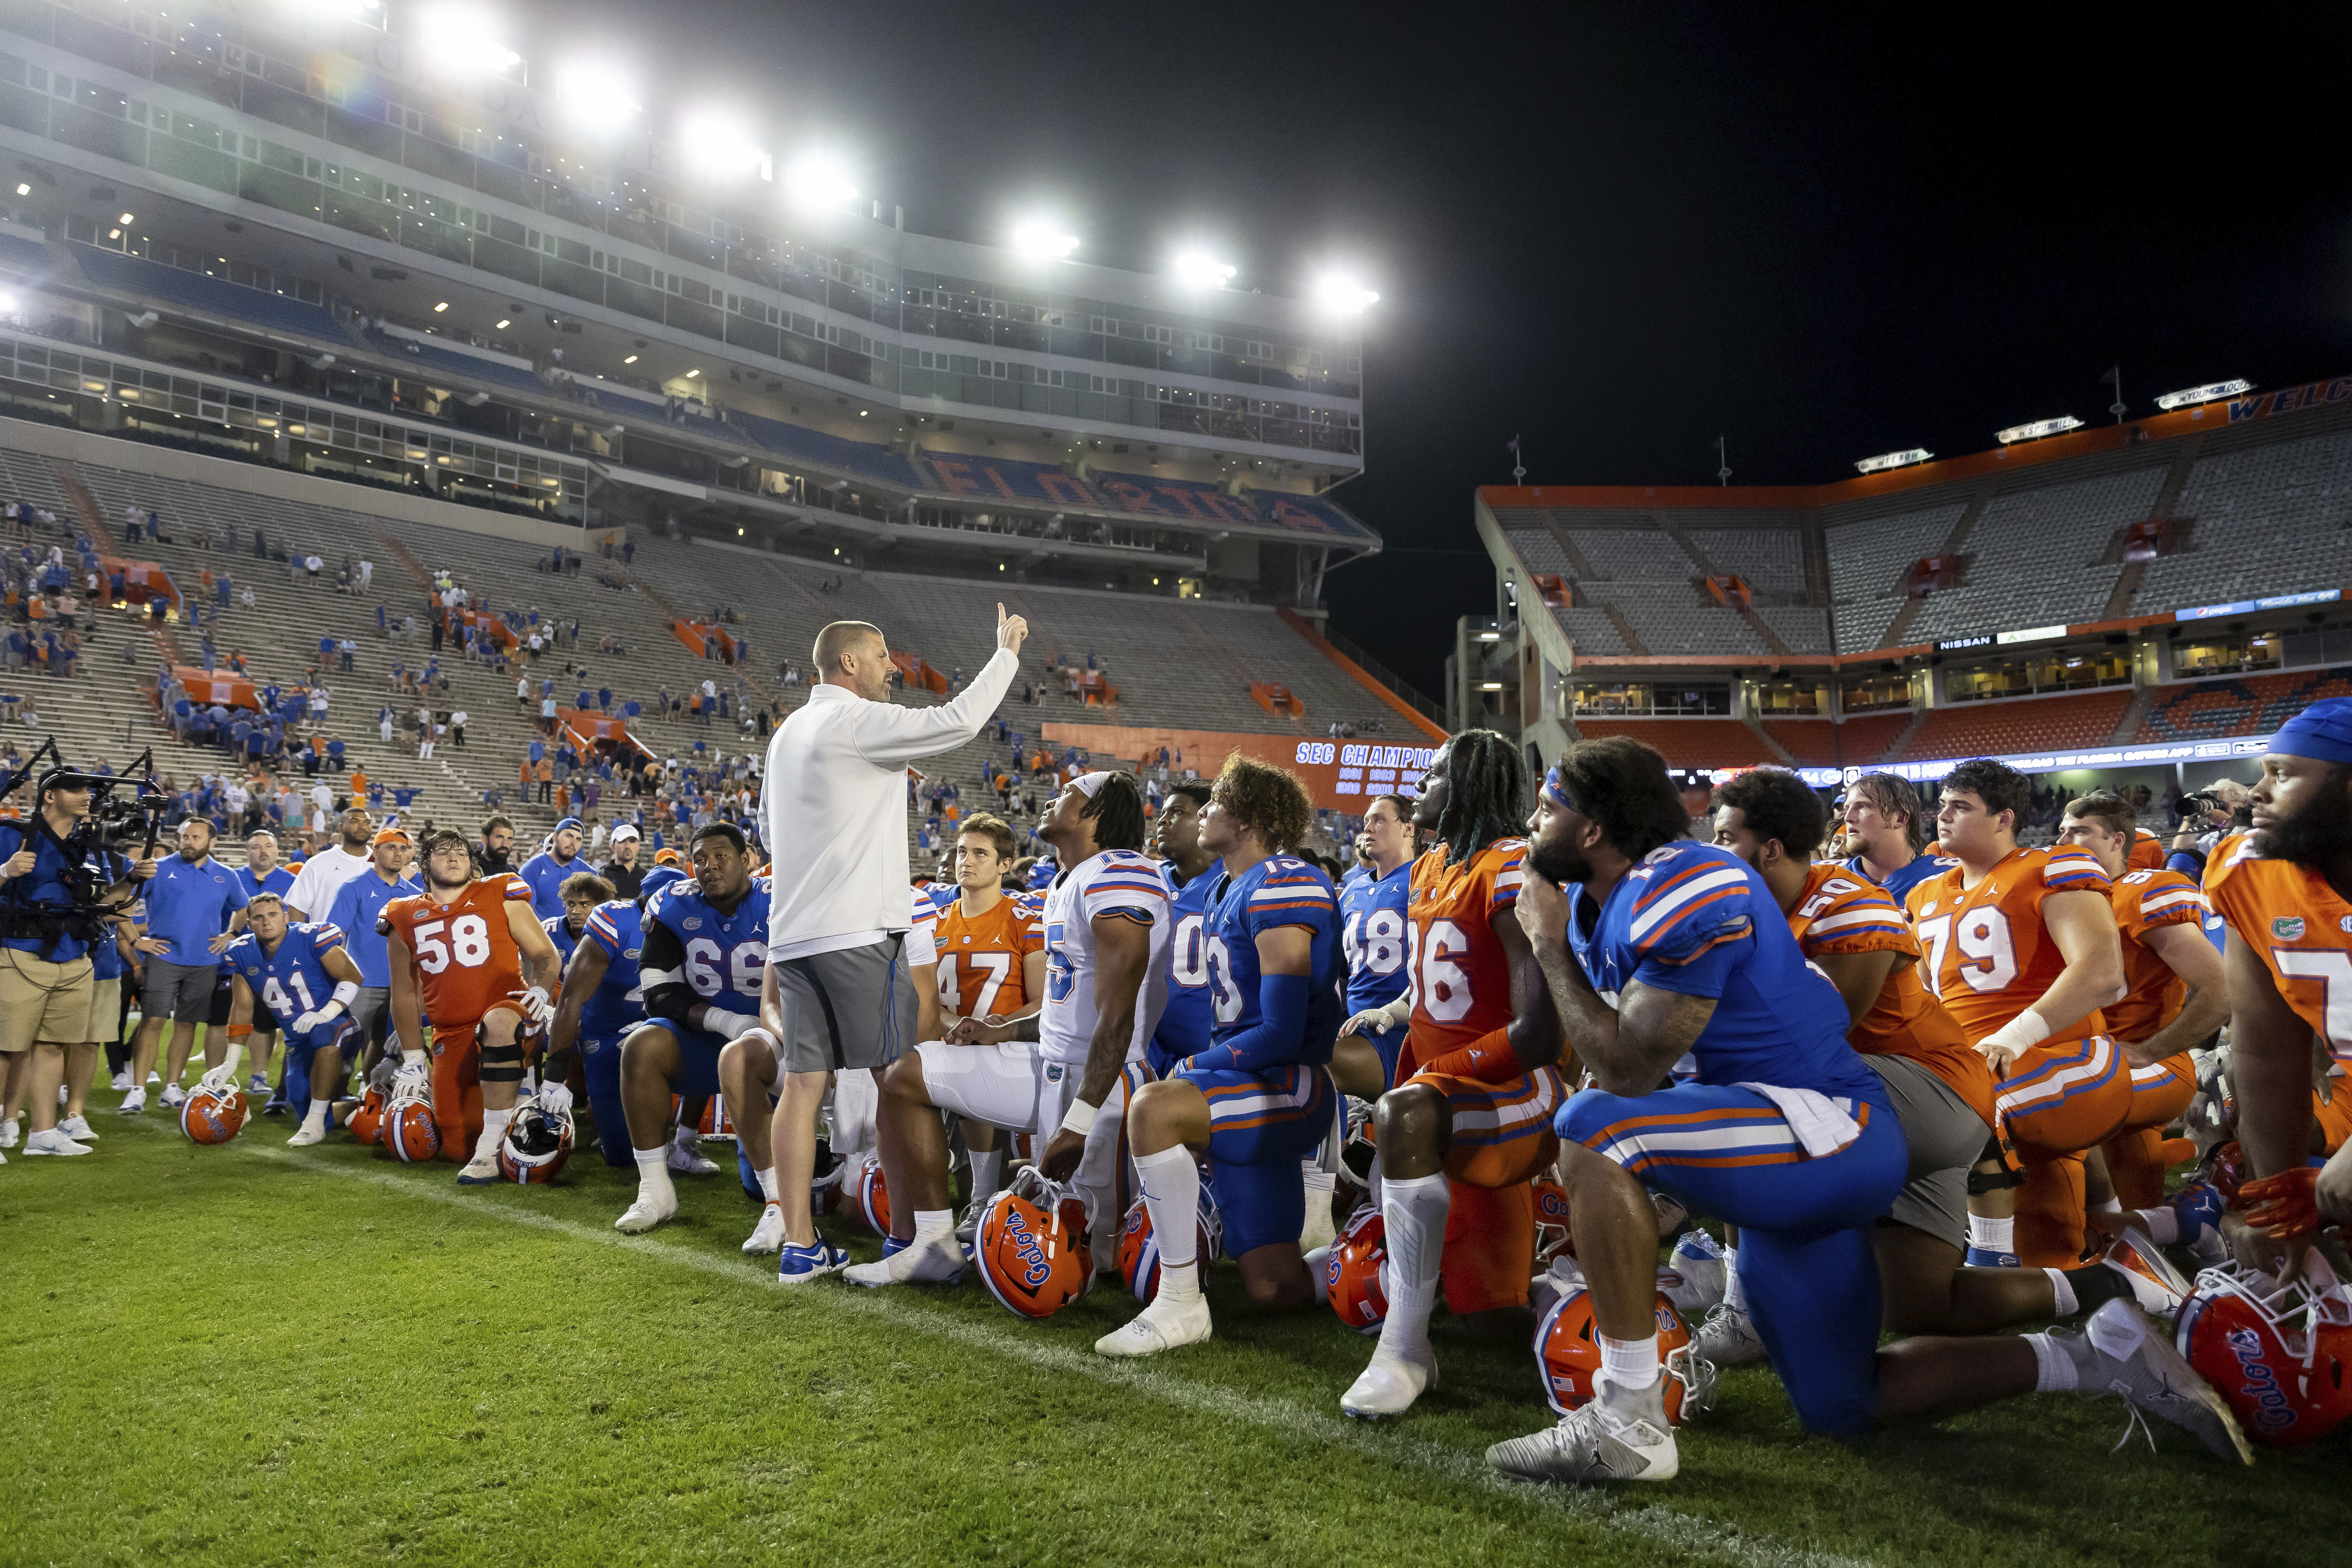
[[1011, 631]]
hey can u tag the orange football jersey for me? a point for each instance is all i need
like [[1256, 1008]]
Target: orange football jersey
[[2299, 926], [2147, 853], [1989, 956], [1839, 912], [1459, 980], [980, 956], [2153, 994], [465, 959]]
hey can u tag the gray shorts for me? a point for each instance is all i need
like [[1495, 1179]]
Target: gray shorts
[[852, 1007], [372, 1011], [1947, 1136], [181, 992]]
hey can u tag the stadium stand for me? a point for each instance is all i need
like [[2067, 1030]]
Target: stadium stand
[[144, 279], [1810, 742], [1765, 558], [2264, 520], [1983, 729], [1633, 554], [1689, 743], [2257, 705], [1871, 546], [2032, 558]]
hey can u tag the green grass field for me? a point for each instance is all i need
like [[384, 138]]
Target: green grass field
[[253, 1354]]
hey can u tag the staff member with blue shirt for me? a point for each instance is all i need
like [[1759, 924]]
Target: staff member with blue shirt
[[194, 908], [544, 872], [46, 989], [358, 904]]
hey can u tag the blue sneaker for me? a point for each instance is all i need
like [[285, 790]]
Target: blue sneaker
[[1981, 1258], [2200, 1208], [799, 1265]]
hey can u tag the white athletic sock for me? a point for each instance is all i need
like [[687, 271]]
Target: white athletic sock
[[934, 1224], [1735, 1294], [2053, 1368], [1372, 1181], [1172, 1197], [1318, 1271], [2062, 1294], [1321, 1183], [987, 1164], [653, 1175], [1630, 1365], [685, 1138], [316, 1119], [2162, 1224], [494, 1131], [768, 1188], [1414, 1210], [1990, 1234]]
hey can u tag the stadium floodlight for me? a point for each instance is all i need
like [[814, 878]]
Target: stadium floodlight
[[631, 360], [441, 307], [1887, 461], [24, 189], [1199, 270], [458, 40], [2038, 429], [718, 146], [1342, 295], [2211, 392], [1043, 239], [595, 97], [124, 220], [503, 324], [818, 181]]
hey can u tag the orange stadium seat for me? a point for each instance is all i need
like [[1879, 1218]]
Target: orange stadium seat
[[2213, 710], [1689, 743], [1813, 742], [1997, 729]]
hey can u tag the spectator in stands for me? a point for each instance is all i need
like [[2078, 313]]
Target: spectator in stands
[[544, 773], [423, 733]]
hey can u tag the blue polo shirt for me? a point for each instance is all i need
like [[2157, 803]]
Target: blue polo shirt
[[279, 881], [545, 874], [358, 904], [188, 904]]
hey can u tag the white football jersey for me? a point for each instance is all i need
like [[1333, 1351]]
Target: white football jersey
[[1116, 879]]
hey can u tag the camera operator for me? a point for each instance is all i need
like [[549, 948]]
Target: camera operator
[[2206, 818], [47, 927], [194, 909]]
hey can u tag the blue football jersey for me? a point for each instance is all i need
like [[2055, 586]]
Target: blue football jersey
[[1898, 887], [726, 956], [618, 1001], [559, 931], [1696, 919], [1373, 932], [1184, 1026], [293, 980], [1278, 892]]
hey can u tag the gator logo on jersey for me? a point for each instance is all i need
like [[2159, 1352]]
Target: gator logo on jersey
[[692, 923], [2287, 927], [1929, 907]]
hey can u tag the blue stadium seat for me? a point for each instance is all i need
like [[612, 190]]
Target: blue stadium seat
[[1306, 514], [830, 451], [158, 284], [1007, 479]]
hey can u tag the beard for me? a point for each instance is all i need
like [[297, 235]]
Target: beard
[[2317, 839], [1560, 861]]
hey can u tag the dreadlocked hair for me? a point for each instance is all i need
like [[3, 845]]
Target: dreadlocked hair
[[1486, 796], [1117, 811]]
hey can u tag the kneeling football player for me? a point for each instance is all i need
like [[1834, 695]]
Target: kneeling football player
[[291, 968]]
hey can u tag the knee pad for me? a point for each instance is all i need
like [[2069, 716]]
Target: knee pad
[[1996, 1149], [501, 1064]]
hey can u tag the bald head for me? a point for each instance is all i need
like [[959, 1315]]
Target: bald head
[[854, 654]]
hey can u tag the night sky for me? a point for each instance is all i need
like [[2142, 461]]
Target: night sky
[[1618, 231]]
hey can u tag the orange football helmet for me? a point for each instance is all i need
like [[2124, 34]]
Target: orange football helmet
[[2278, 1354], [1031, 1247], [871, 1195], [1568, 1357], [1355, 1272], [367, 1121], [410, 1132], [715, 1123], [1139, 1249], [536, 1146], [1553, 1237], [211, 1115]]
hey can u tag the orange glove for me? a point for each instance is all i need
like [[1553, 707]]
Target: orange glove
[[2285, 1206]]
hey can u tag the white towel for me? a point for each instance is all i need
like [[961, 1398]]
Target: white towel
[[1817, 1120]]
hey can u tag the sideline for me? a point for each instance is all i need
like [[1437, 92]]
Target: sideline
[[1659, 1526]]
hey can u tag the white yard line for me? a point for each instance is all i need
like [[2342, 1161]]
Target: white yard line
[[1158, 1380]]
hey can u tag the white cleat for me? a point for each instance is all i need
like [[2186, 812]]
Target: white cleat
[[122, 1082], [1592, 1443], [1389, 1384], [926, 1263], [646, 1213], [685, 1159], [9, 1132], [479, 1171], [133, 1103], [2119, 1351], [172, 1096], [306, 1135], [78, 1129], [1693, 1278], [1728, 1338], [2155, 1283], [54, 1142], [769, 1234], [1161, 1326]]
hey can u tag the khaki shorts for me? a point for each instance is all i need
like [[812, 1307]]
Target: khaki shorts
[[105, 1010], [42, 1001]]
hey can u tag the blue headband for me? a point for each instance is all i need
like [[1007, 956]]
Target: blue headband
[[1555, 789], [2323, 732]]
